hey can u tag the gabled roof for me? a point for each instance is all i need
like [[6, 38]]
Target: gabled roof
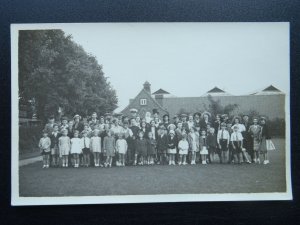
[[216, 90], [271, 88], [150, 98], [160, 92]]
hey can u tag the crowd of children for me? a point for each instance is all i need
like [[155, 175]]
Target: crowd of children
[[121, 140]]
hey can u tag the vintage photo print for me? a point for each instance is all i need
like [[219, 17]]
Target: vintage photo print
[[150, 112]]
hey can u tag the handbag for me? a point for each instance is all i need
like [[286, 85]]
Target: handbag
[[270, 145]]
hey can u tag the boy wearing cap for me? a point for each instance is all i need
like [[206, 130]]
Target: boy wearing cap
[[162, 145]]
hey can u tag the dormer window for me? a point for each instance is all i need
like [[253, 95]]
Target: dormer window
[[143, 101]]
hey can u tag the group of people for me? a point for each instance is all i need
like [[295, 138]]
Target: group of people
[[131, 140]]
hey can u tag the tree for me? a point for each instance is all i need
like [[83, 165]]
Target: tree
[[215, 107], [57, 72]]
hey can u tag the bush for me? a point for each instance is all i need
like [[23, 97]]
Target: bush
[[29, 138]]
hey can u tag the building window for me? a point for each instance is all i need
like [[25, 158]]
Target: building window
[[143, 101]]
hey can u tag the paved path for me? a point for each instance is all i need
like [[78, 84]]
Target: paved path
[[24, 162]]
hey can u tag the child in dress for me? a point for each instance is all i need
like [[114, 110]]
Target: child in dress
[[121, 149], [183, 147], [203, 146], [223, 138], [141, 148], [212, 145], [172, 143], [85, 145], [162, 145], [151, 145], [95, 147], [236, 140], [64, 144], [54, 145], [44, 146], [193, 139], [109, 148], [76, 148]]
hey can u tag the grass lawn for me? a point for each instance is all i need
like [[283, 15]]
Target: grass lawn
[[214, 178]]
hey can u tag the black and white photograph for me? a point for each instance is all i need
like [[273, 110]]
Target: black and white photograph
[[150, 112]]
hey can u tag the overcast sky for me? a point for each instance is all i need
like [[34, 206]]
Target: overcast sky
[[188, 59]]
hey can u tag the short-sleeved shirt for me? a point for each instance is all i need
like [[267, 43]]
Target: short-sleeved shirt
[[223, 134], [236, 136]]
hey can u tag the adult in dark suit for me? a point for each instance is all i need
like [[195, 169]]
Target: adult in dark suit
[[162, 145]]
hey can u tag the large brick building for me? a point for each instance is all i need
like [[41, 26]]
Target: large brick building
[[269, 101]]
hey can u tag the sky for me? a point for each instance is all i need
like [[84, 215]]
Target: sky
[[187, 59]]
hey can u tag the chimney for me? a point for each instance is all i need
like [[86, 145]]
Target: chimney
[[159, 99], [147, 87]]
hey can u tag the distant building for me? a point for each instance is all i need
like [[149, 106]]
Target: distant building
[[269, 101]]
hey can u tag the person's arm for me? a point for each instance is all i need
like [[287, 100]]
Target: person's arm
[[40, 144], [228, 138], [231, 141]]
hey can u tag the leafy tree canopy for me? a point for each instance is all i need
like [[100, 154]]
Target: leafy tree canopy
[[57, 72]]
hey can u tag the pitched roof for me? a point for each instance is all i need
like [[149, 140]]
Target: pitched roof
[[271, 88], [150, 98], [216, 90], [160, 92]]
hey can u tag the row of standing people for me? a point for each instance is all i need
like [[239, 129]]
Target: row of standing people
[[166, 141]]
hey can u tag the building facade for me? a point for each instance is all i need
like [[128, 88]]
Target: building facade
[[269, 102]]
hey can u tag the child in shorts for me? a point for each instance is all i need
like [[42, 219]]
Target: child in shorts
[[44, 146], [64, 144], [86, 145], [54, 137]]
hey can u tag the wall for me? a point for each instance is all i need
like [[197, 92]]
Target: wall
[[269, 105]]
